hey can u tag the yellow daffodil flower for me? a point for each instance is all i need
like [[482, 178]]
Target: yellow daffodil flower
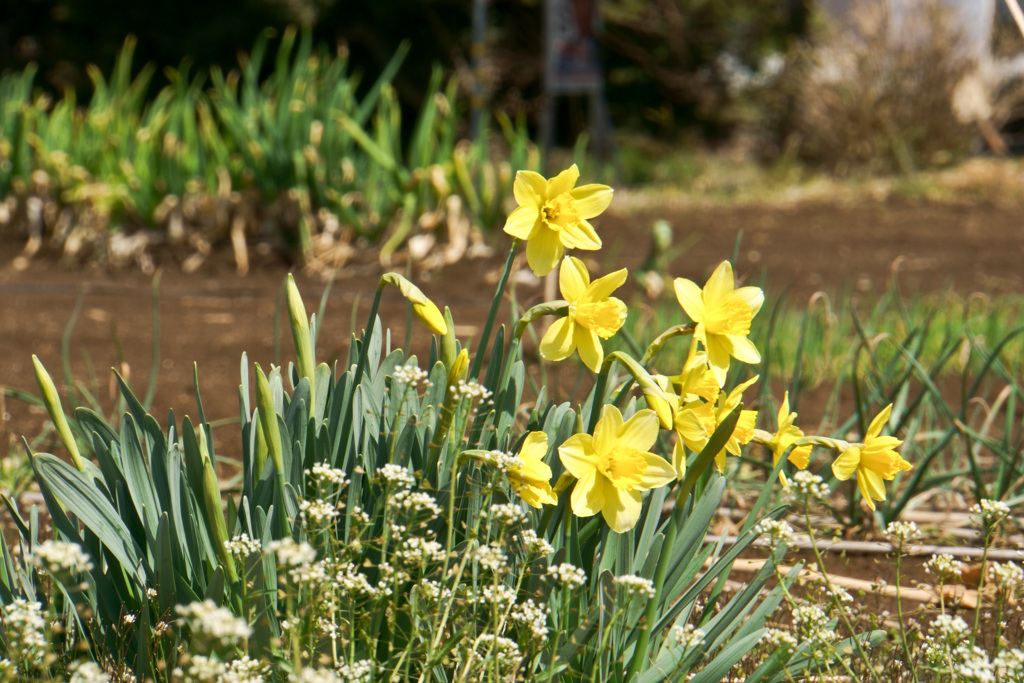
[[784, 437], [552, 216], [613, 467], [697, 420], [723, 315], [874, 460], [593, 314], [532, 480]]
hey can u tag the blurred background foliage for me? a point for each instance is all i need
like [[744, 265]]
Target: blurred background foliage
[[671, 65]]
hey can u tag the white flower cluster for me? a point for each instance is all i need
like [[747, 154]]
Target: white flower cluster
[[241, 546], [322, 473], [500, 597], [534, 544], [473, 390], [567, 575], [975, 666], [991, 512], [396, 475], [25, 625], [432, 592], [351, 581], [901, 533], [59, 557], [89, 672], [357, 672], [243, 670], [317, 513], [411, 376], [310, 675], [778, 531], [635, 586], [217, 623], [508, 514], [812, 626], [504, 462], [414, 502], [505, 652], [491, 557], [417, 551], [946, 634], [688, 636], [809, 485], [777, 639], [944, 566], [533, 616], [204, 669], [1008, 576], [289, 553]]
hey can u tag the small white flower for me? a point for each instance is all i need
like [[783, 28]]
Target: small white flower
[[292, 554], [688, 636], [357, 672], [128, 619], [59, 557], [508, 514], [567, 575], [218, 623], [491, 557], [534, 544], [635, 586], [323, 473], [317, 513], [901, 533], [991, 512], [534, 616], [504, 462], [810, 485], [1007, 575], [397, 476], [779, 532], [473, 390], [415, 502], [26, 627], [410, 375], [944, 566], [89, 672], [241, 546]]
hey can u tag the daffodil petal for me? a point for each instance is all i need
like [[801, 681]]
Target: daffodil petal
[[589, 346], [430, 316], [679, 459], [720, 285], [621, 509], [689, 296], [522, 222], [718, 358], [573, 454], [879, 423], [588, 496], [563, 182], [591, 200], [742, 349], [800, 457], [641, 430], [872, 485], [606, 433], [658, 473], [602, 287], [581, 236], [846, 464], [573, 279], [543, 251], [529, 189], [558, 343]]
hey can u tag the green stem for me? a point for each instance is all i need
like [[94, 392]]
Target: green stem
[[981, 584], [842, 608], [599, 388], [899, 614], [485, 335], [651, 614]]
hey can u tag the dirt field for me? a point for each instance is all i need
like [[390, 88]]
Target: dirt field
[[212, 316]]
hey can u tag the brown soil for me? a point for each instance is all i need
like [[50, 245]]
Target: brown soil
[[212, 316]]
